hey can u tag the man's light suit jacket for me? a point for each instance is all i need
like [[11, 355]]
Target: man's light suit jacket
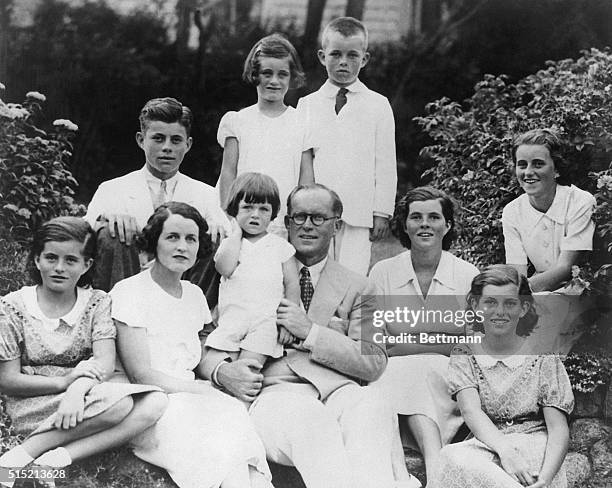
[[339, 355], [129, 195]]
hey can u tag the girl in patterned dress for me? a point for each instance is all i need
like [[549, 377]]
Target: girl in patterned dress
[[515, 402], [57, 349]]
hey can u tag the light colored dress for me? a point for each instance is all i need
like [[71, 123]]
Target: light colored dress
[[53, 347], [248, 299], [269, 145], [539, 238], [512, 393], [416, 384], [200, 438]]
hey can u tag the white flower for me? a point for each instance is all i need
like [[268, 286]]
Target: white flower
[[15, 111], [2, 87], [66, 124], [36, 96]]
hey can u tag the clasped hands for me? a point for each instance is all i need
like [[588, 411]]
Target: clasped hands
[[72, 405], [516, 466]]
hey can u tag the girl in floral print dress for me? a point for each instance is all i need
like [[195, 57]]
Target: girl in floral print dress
[[515, 402], [57, 349]]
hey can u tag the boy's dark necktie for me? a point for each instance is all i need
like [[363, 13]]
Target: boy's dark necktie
[[306, 288], [340, 99]]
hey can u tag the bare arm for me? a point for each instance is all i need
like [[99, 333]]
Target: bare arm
[[136, 359], [83, 376], [291, 281], [556, 276], [485, 431], [419, 348], [229, 168], [226, 259], [556, 446], [306, 168]]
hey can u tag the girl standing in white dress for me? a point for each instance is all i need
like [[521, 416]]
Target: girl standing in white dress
[[257, 271], [267, 137], [205, 438]]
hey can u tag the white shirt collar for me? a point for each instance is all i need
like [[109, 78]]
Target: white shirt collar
[[443, 274], [314, 270], [30, 302], [487, 361], [330, 90], [170, 182]]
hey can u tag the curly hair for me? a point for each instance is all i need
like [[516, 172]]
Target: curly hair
[[500, 275], [421, 194], [273, 46], [62, 229], [149, 237], [551, 140]]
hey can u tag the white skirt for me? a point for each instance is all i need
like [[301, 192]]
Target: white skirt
[[200, 439]]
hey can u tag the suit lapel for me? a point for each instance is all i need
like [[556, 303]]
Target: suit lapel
[[328, 294]]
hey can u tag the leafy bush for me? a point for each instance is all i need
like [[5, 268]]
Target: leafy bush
[[35, 182], [472, 153]]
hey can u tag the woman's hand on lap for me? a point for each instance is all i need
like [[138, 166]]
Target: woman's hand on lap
[[70, 411], [515, 465]]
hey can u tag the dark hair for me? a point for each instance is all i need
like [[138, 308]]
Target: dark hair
[[337, 207], [273, 46], [147, 241], [552, 141], [167, 110], [347, 26], [62, 229], [421, 194], [253, 188], [500, 275]]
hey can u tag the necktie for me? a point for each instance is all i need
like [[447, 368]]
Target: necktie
[[161, 196], [340, 99], [307, 290]]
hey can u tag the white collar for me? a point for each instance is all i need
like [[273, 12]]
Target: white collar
[[30, 302], [150, 178], [513, 361], [330, 90], [315, 270], [443, 274]]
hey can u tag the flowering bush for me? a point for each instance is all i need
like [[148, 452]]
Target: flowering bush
[[472, 161], [35, 182], [587, 371]]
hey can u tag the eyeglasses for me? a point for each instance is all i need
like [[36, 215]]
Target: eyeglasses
[[316, 219]]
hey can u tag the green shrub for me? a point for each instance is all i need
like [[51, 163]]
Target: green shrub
[[35, 182]]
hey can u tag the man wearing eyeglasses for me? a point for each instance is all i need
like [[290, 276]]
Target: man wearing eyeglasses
[[311, 412]]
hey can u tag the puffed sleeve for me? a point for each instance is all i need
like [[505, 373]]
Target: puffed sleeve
[[579, 229], [102, 326], [555, 389], [228, 127], [461, 373], [11, 333], [285, 251], [513, 244]]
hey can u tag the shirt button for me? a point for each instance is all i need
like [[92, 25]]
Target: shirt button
[[545, 244], [544, 227]]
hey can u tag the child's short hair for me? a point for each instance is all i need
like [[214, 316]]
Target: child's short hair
[[149, 238], [62, 229], [253, 188], [167, 110], [273, 46], [347, 26], [500, 275]]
